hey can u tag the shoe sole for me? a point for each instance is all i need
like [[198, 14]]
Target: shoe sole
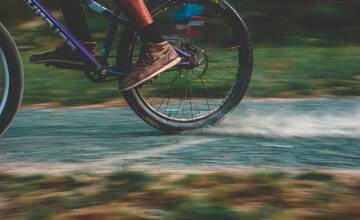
[[163, 69], [58, 61]]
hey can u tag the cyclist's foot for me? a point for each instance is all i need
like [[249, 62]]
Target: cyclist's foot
[[62, 55], [155, 59]]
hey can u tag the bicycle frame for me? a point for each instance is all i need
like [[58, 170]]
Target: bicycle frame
[[75, 44]]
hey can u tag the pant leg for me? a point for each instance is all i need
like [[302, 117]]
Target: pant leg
[[75, 19]]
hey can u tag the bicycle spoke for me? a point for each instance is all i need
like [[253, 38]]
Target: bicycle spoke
[[196, 91], [177, 110], [191, 94], [171, 83], [207, 90], [189, 89], [159, 89]]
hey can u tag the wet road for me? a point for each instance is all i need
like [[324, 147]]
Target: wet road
[[260, 133]]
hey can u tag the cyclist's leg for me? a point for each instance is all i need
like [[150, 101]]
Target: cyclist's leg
[[76, 22], [159, 56], [138, 12], [75, 19]]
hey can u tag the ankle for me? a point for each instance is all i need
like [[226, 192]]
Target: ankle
[[151, 34]]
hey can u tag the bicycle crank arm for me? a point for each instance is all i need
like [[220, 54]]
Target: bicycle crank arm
[[116, 71]]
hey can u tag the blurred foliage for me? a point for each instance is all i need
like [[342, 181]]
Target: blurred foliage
[[280, 21], [284, 21], [266, 195], [296, 71]]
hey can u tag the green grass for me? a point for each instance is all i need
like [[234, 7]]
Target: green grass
[[65, 87], [296, 71], [306, 71], [278, 72], [200, 210], [315, 176]]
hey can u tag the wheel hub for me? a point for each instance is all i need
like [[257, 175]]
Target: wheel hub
[[197, 61]]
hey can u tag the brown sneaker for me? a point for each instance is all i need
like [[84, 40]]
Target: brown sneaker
[[156, 59]]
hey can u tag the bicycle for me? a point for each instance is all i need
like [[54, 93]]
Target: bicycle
[[207, 85]]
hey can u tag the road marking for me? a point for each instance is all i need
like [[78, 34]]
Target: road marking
[[153, 152]]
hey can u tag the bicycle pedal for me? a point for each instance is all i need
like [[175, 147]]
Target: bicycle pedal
[[116, 71]]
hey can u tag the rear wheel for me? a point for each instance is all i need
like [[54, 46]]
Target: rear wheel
[[201, 95], [11, 79]]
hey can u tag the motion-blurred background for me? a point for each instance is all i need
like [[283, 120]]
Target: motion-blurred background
[[273, 159], [302, 49]]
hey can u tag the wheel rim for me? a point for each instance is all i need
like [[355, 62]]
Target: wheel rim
[[193, 104], [4, 81]]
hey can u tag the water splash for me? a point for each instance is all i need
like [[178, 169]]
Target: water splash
[[286, 123]]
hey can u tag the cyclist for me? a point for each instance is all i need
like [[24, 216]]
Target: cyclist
[[157, 57]]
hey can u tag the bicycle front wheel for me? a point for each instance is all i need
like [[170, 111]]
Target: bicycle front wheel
[[199, 96], [11, 79]]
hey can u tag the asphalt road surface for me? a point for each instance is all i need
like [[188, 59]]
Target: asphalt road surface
[[260, 133]]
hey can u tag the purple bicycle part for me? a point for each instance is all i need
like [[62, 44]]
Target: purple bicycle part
[[59, 28], [75, 44]]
